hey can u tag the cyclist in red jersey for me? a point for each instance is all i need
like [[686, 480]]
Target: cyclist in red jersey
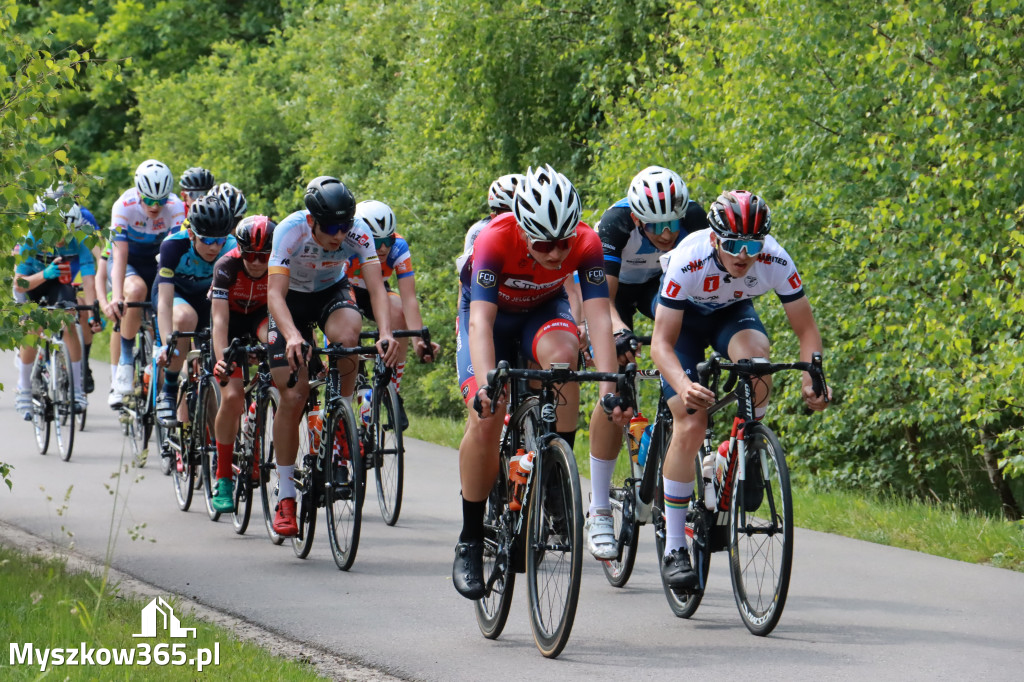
[[239, 310], [513, 294]]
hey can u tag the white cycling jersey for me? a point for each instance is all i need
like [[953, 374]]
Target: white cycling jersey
[[467, 247], [694, 278], [312, 268], [129, 223]]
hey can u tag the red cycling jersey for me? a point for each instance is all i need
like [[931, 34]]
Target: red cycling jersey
[[503, 271], [232, 283]]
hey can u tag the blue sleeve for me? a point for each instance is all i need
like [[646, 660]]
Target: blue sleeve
[[86, 263], [89, 218], [171, 251]]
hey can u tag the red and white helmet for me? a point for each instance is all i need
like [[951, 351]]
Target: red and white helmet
[[737, 214], [658, 195]]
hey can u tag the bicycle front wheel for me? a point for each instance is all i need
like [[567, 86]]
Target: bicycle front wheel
[[345, 486], [41, 408], [761, 532], [492, 610], [142, 408], [63, 402], [247, 477], [270, 483], [554, 555], [205, 442], [306, 490], [627, 528], [389, 454], [183, 471]]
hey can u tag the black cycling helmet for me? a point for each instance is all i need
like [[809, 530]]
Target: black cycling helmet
[[196, 179], [255, 234], [329, 201], [210, 217]]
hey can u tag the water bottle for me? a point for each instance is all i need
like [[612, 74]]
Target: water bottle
[[519, 474], [249, 423], [315, 425], [645, 445], [637, 425], [721, 462], [365, 404]]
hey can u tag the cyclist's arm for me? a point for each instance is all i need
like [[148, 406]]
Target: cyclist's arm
[[600, 325], [481, 338], [374, 280], [89, 288], [119, 258], [220, 314], [31, 281], [667, 324], [801, 319], [411, 310], [165, 309], [101, 280], [277, 294]]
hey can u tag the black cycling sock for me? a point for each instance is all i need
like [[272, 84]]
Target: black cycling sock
[[569, 437], [472, 520], [85, 355], [170, 382]]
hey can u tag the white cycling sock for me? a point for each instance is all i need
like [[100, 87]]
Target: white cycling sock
[[286, 485], [600, 481], [24, 375], [677, 499], [76, 376]]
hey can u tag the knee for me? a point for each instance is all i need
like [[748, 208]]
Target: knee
[[185, 318]]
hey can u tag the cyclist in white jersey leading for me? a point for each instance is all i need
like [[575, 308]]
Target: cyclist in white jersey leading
[[706, 300], [308, 287], [141, 218]]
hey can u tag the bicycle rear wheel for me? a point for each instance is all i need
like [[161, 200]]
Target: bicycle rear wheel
[[492, 610], [627, 528], [761, 532], [554, 555], [143, 401], [306, 490], [389, 454], [206, 443], [270, 484], [345, 486], [41, 408], [183, 471], [63, 402]]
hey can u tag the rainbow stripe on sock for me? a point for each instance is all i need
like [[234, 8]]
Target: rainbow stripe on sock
[[677, 502]]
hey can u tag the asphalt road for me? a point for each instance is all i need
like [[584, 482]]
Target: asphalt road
[[855, 610]]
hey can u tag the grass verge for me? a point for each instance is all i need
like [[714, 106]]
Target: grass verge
[[942, 530], [47, 606]]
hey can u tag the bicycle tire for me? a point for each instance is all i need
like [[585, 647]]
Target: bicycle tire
[[82, 418], [143, 410], [345, 487], [492, 610], [760, 556], [205, 441], [183, 471], [554, 547], [306, 490], [627, 529], [389, 454], [270, 484], [246, 478], [63, 402], [41, 408]]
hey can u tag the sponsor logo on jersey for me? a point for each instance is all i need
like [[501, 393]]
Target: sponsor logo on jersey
[[737, 294], [769, 259], [711, 283], [595, 276], [672, 289], [695, 265], [514, 283], [750, 281], [794, 280], [166, 272], [272, 336], [486, 279], [465, 391], [158, 224]]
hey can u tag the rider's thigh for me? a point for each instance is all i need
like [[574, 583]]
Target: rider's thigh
[[343, 326], [135, 289], [185, 317], [557, 346], [749, 343]]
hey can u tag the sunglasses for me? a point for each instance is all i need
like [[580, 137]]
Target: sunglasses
[[550, 245], [194, 194], [213, 241], [155, 202], [387, 241], [331, 230], [737, 246], [670, 226], [255, 256]]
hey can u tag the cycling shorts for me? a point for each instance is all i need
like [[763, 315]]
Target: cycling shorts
[[241, 326], [198, 303], [142, 267], [633, 298], [309, 309], [362, 298], [54, 292], [714, 329], [513, 331]]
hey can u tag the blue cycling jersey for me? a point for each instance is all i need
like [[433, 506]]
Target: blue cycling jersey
[[181, 266]]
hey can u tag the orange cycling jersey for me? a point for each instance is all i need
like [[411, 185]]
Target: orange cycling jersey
[[503, 272]]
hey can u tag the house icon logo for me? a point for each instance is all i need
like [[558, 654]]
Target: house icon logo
[[160, 611]]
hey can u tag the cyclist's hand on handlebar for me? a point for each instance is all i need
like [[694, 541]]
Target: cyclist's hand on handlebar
[[484, 406], [426, 354], [223, 369], [388, 349], [815, 402], [626, 346], [116, 308], [297, 352], [612, 405], [697, 397], [163, 355]]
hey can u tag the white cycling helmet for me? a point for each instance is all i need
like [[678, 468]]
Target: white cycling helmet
[[658, 195], [378, 216], [546, 205], [233, 197], [153, 179], [72, 217], [502, 192]]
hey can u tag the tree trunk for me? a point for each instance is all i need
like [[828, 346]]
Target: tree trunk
[[995, 476]]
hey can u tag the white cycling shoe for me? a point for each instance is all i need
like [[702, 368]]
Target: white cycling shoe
[[600, 530], [122, 386]]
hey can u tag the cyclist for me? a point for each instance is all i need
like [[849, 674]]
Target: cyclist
[[655, 216], [182, 284], [308, 287], [46, 273], [513, 291], [233, 197], [194, 183], [239, 310], [706, 300], [499, 199], [393, 253], [142, 217]]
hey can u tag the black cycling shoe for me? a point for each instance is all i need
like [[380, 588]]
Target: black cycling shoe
[[677, 571], [88, 385], [403, 418], [468, 569], [753, 486]]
